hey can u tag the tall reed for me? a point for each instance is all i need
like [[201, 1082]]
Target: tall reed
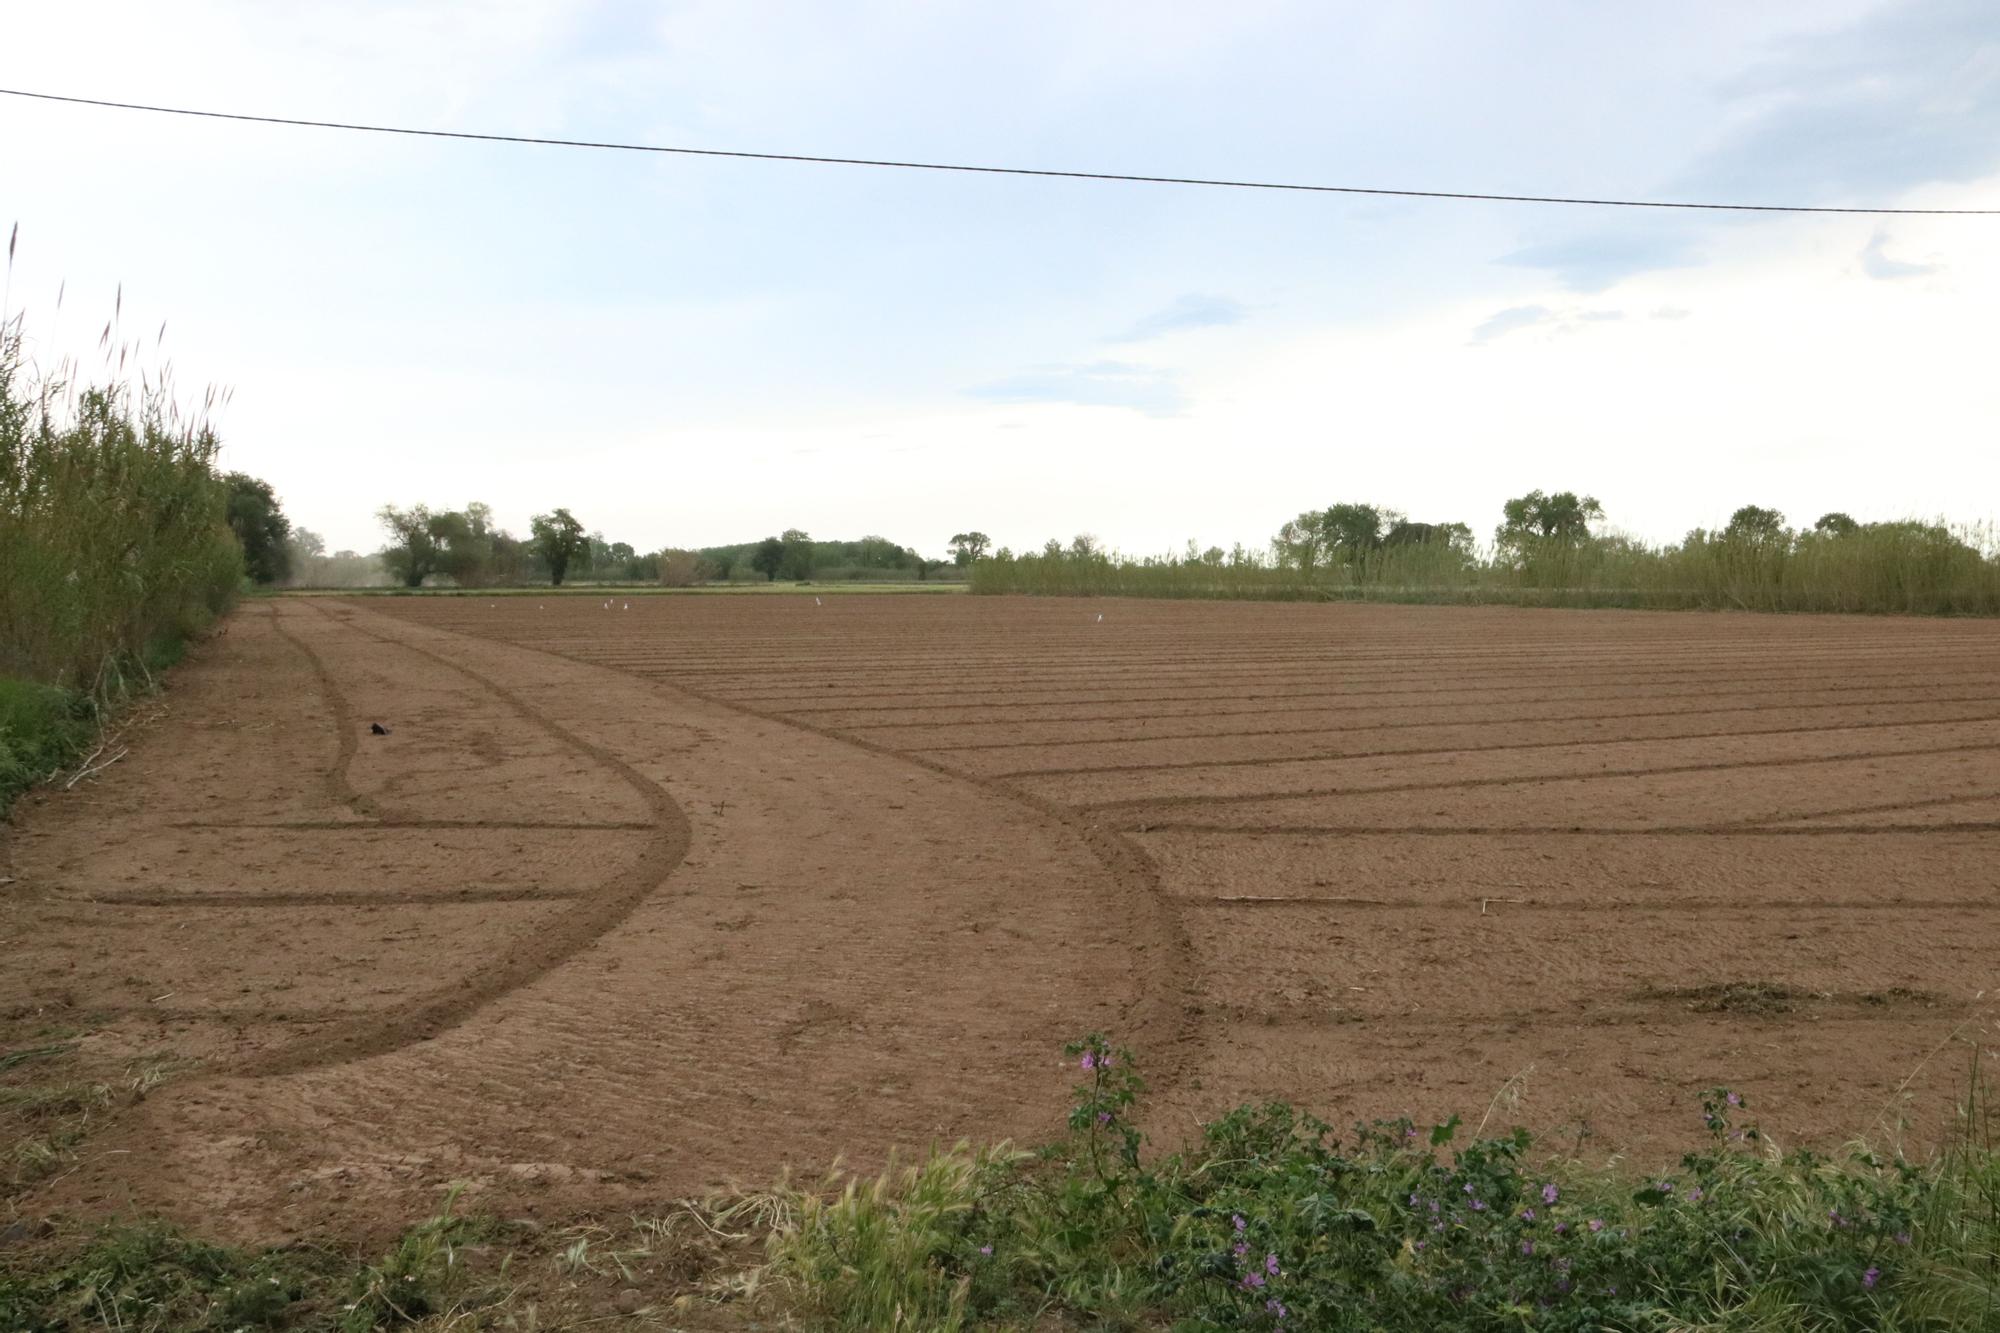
[[113, 539]]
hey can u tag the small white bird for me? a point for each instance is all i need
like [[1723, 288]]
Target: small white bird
[[817, 602], [628, 606], [1100, 617]]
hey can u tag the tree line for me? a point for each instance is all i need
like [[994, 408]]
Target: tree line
[[1550, 548], [465, 548]]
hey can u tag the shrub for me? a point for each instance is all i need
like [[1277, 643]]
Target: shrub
[[1271, 1222]]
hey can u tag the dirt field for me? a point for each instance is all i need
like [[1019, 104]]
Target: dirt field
[[633, 901]]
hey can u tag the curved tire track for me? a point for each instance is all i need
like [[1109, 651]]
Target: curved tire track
[[549, 946]]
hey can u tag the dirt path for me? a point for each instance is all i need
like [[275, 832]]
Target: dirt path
[[573, 936]]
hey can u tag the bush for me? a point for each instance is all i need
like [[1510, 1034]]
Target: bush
[[42, 730], [1271, 1222]]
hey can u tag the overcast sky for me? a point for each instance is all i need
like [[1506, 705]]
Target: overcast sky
[[688, 351]]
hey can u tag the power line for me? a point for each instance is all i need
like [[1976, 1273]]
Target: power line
[[983, 170]]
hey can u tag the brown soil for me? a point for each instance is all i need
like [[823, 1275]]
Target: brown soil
[[630, 902]]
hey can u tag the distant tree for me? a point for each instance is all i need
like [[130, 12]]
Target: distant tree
[[1301, 542], [683, 569], [260, 526], [1351, 531], [1405, 533], [967, 547], [558, 539], [1563, 517], [412, 553], [1836, 524], [1084, 546], [466, 540], [799, 554], [306, 552], [769, 558], [1753, 523]]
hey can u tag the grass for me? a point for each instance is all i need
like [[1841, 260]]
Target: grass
[[43, 729]]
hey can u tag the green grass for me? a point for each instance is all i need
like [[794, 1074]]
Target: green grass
[[43, 729]]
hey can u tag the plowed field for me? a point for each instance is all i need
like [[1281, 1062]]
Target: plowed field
[[629, 901]]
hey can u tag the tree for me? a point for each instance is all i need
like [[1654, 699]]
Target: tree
[[466, 540], [1084, 546], [1836, 524], [798, 558], [1301, 542], [769, 558], [260, 526], [683, 569], [1564, 518], [412, 553], [558, 539], [307, 549], [1405, 533], [1351, 531], [1753, 523], [967, 547]]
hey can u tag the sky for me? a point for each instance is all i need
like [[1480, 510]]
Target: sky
[[690, 351]]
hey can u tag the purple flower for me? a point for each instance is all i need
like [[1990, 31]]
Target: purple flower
[[1236, 1220], [1562, 1228], [1666, 1187], [1089, 1060], [1549, 1193], [1902, 1238], [1478, 1206], [1104, 1117], [986, 1250], [1413, 1201], [1735, 1099], [1271, 1264], [1597, 1224], [1104, 1061], [1527, 1214], [1241, 1250], [1527, 1247], [1694, 1195], [1276, 1307], [1251, 1281], [1871, 1277]]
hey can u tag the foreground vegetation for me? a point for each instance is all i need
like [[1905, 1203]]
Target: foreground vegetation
[[1270, 1220], [116, 544], [1546, 553]]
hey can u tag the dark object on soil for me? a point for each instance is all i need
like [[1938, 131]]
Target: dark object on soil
[[378, 728]]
